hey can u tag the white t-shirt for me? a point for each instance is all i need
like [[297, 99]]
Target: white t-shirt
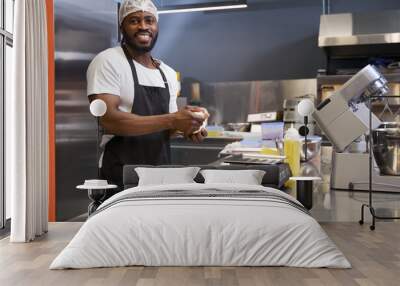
[[110, 72]]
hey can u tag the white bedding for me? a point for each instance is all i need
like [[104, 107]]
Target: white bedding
[[200, 231]]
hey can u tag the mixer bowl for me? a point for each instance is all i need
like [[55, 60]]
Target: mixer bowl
[[313, 148], [386, 148]]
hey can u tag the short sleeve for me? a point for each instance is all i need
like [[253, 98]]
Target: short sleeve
[[103, 77], [174, 88], [173, 96]]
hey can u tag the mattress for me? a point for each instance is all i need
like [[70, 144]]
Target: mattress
[[201, 225]]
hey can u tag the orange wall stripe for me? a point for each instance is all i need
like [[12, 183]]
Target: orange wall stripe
[[51, 110]]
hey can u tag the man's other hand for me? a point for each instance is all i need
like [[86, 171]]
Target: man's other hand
[[198, 137]]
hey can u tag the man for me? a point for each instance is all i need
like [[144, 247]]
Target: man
[[140, 94]]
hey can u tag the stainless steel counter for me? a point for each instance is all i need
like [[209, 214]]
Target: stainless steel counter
[[185, 152]]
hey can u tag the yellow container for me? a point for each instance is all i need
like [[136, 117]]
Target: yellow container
[[292, 152], [214, 131], [292, 148], [270, 151], [213, 134]]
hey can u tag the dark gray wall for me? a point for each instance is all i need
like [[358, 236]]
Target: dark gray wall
[[269, 40]]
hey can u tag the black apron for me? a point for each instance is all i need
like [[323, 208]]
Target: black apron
[[150, 149]]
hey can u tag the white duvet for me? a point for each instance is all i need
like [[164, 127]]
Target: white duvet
[[200, 231]]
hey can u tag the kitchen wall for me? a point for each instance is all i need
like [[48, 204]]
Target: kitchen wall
[[269, 40]]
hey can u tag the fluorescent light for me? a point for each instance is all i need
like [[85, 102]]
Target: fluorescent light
[[203, 7]]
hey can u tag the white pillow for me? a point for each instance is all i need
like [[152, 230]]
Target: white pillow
[[164, 176], [248, 177]]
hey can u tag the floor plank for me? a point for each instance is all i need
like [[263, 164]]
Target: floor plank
[[375, 257]]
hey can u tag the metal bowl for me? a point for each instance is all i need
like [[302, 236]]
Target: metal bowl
[[313, 148], [386, 148], [239, 127]]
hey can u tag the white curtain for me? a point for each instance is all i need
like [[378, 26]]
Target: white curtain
[[27, 124]]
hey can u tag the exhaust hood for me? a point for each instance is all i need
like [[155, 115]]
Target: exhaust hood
[[349, 29]]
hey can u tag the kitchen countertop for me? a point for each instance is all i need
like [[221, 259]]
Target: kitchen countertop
[[208, 141]]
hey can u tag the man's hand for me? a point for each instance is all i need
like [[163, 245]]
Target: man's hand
[[198, 109], [189, 120], [186, 121], [198, 137]]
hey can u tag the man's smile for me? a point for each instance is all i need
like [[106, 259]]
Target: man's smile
[[143, 36]]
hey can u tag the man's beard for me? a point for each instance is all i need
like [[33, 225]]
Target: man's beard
[[131, 43]]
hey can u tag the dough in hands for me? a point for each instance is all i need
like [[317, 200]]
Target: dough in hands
[[201, 115]]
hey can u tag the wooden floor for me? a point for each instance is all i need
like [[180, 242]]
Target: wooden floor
[[375, 257]]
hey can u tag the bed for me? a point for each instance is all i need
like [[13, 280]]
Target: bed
[[200, 224]]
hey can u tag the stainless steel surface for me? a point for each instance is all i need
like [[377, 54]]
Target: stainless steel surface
[[312, 148], [184, 152], [377, 88], [233, 101], [290, 113], [82, 29], [381, 27], [386, 148]]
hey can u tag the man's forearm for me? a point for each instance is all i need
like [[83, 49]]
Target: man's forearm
[[128, 124]]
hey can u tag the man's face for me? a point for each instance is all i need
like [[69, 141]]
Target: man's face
[[140, 31]]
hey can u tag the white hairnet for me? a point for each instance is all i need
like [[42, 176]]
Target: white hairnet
[[132, 6]]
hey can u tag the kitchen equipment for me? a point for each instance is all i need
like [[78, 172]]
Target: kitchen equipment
[[195, 98], [305, 108], [264, 117], [291, 150], [386, 148], [272, 130], [98, 108], [344, 118], [310, 169], [249, 160], [312, 148], [292, 116], [239, 127]]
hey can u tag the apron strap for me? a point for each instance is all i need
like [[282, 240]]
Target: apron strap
[[134, 73]]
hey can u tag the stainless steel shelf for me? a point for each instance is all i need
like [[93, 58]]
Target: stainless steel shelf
[[338, 79]]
